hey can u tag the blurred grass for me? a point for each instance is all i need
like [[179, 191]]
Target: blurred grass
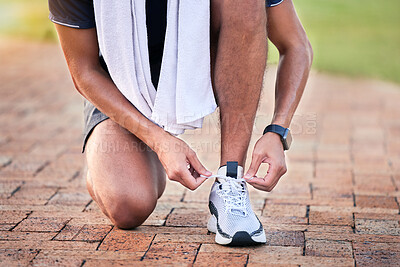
[[26, 19], [352, 37]]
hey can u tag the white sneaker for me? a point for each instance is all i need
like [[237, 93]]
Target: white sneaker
[[232, 218]]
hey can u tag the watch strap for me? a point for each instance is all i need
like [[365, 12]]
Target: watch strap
[[275, 129]]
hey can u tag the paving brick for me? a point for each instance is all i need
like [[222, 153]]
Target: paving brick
[[381, 259], [372, 247], [120, 240], [111, 263], [329, 218], [41, 224], [14, 257], [38, 195], [17, 146], [184, 238], [26, 164], [377, 216], [377, 227], [261, 263], [158, 217], [285, 210], [7, 188], [285, 238], [90, 254], [52, 173], [12, 217], [373, 183], [90, 219], [6, 227], [283, 220], [376, 254], [263, 250], [376, 202], [333, 173], [172, 230], [57, 262], [15, 236], [330, 229], [291, 190], [285, 227], [350, 210], [68, 232], [300, 261], [188, 217], [332, 192], [70, 198], [336, 202], [61, 212], [221, 259], [350, 237], [49, 245], [92, 233], [171, 253], [328, 248], [369, 167]]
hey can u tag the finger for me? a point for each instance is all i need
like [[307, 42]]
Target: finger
[[255, 164], [269, 178], [272, 176], [196, 164], [177, 179], [256, 181], [192, 171], [259, 187], [190, 182]]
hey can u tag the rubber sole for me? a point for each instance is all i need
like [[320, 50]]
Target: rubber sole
[[239, 239]]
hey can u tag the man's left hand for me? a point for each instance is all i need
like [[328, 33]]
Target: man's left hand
[[268, 149]]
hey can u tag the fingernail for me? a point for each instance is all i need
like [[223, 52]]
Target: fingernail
[[247, 176], [208, 173]]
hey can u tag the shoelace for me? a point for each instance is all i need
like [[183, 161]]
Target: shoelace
[[233, 193]]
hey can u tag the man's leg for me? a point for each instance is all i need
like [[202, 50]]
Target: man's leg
[[239, 54], [125, 177]]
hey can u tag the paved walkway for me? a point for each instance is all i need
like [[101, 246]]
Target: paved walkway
[[337, 206]]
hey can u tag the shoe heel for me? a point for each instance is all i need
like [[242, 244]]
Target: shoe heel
[[212, 224]]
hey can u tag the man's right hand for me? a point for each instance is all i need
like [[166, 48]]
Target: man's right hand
[[181, 163]]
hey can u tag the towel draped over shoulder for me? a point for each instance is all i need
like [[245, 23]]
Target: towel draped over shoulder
[[184, 94]]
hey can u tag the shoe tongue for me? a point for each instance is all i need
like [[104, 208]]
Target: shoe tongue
[[231, 169]]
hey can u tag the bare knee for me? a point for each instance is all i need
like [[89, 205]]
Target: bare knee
[[129, 213]]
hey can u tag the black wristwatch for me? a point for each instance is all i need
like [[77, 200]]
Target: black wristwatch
[[286, 137]]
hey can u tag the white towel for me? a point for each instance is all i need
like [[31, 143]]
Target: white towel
[[184, 95]]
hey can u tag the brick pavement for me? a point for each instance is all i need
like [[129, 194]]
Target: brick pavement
[[337, 206]]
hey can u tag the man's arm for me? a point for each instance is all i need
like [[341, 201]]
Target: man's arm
[[287, 34], [82, 54]]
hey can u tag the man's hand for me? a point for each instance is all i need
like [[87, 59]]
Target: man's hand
[[268, 149], [181, 163]]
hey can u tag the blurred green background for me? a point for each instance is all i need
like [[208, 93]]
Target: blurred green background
[[351, 37]]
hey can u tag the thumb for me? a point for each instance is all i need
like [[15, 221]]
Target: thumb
[[255, 164], [196, 164]]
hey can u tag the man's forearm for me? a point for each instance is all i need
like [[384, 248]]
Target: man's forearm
[[293, 70], [98, 88]]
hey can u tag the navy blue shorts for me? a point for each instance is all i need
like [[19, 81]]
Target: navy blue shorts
[[79, 14]]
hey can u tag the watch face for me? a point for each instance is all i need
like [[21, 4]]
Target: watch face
[[287, 139]]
